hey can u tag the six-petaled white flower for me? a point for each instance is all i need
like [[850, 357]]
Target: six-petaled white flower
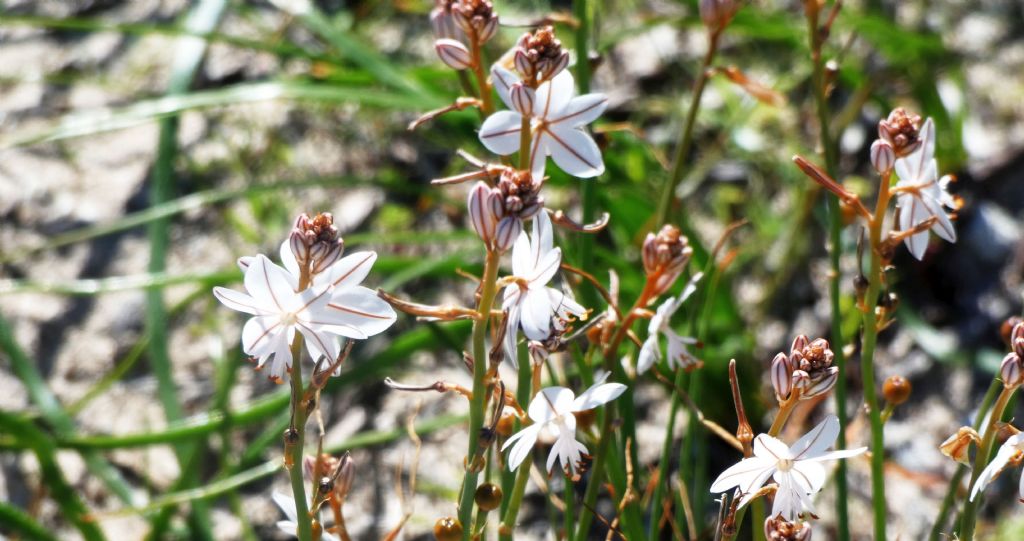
[[333, 306], [557, 121], [797, 469], [678, 355], [529, 301], [552, 411], [1011, 452], [922, 194], [291, 526]]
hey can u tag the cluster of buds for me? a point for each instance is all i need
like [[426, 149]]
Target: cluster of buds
[[807, 369], [665, 255], [456, 21], [1011, 371], [539, 56], [497, 213], [716, 14], [780, 529], [899, 136], [315, 242]]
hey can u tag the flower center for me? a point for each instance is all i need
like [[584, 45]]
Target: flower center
[[289, 319], [785, 464]]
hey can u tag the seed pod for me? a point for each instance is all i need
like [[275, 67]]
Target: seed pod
[[883, 157], [488, 496], [585, 419], [448, 529], [896, 390], [1011, 370], [453, 53], [506, 424]]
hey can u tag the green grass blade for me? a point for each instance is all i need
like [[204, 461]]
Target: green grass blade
[[16, 520]]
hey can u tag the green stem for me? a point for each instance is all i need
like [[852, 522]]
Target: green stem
[[835, 225], [663, 468], [570, 504], [294, 460], [686, 140], [867, 361], [508, 523], [961, 470], [477, 404], [590, 496], [970, 513]]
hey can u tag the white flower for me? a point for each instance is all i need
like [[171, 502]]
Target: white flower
[[530, 303], [921, 194], [557, 121], [552, 411], [1012, 451], [291, 526], [333, 306], [797, 469], [678, 355]]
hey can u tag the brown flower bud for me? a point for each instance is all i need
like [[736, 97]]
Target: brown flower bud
[[476, 18], [958, 445], [448, 529], [315, 242], [1011, 370], [1007, 330], [665, 255], [519, 194], [442, 22], [780, 529], [812, 366], [1017, 339], [539, 56], [900, 130], [896, 390], [488, 496]]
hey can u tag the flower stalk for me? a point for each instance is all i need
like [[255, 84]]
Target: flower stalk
[[488, 288]]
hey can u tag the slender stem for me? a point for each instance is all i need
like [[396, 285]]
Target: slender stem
[[294, 461], [970, 514], [588, 191], [668, 190], [570, 504], [590, 496], [666, 448], [867, 361], [477, 404], [509, 522], [785, 409], [486, 101], [830, 151], [961, 470]]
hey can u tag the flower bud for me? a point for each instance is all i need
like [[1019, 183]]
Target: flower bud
[[441, 20], [882, 156], [799, 343], [665, 255], [508, 230], [1011, 370], [1008, 329], [488, 496], [453, 53], [481, 212], [782, 376], [820, 383], [801, 381], [958, 445], [539, 56], [315, 242], [476, 18], [1017, 339], [716, 14], [900, 130], [779, 529], [448, 529], [522, 98], [896, 390]]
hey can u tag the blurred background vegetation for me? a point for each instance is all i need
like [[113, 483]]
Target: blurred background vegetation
[[146, 144]]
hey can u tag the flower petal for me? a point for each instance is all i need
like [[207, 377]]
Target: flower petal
[[553, 96], [503, 80], [348, 271], [536, 314], [260, 335], [746, 474], [917, 244], [361, 308], [582, 110], [549, 403], [817, 441], [943, 227], [596, 395], [574, 151], [500, 132], [808, 475], [545, 269], [650, 353], [522, 443], [238, 301], [288, 258], [271, 285], [770, 448]]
